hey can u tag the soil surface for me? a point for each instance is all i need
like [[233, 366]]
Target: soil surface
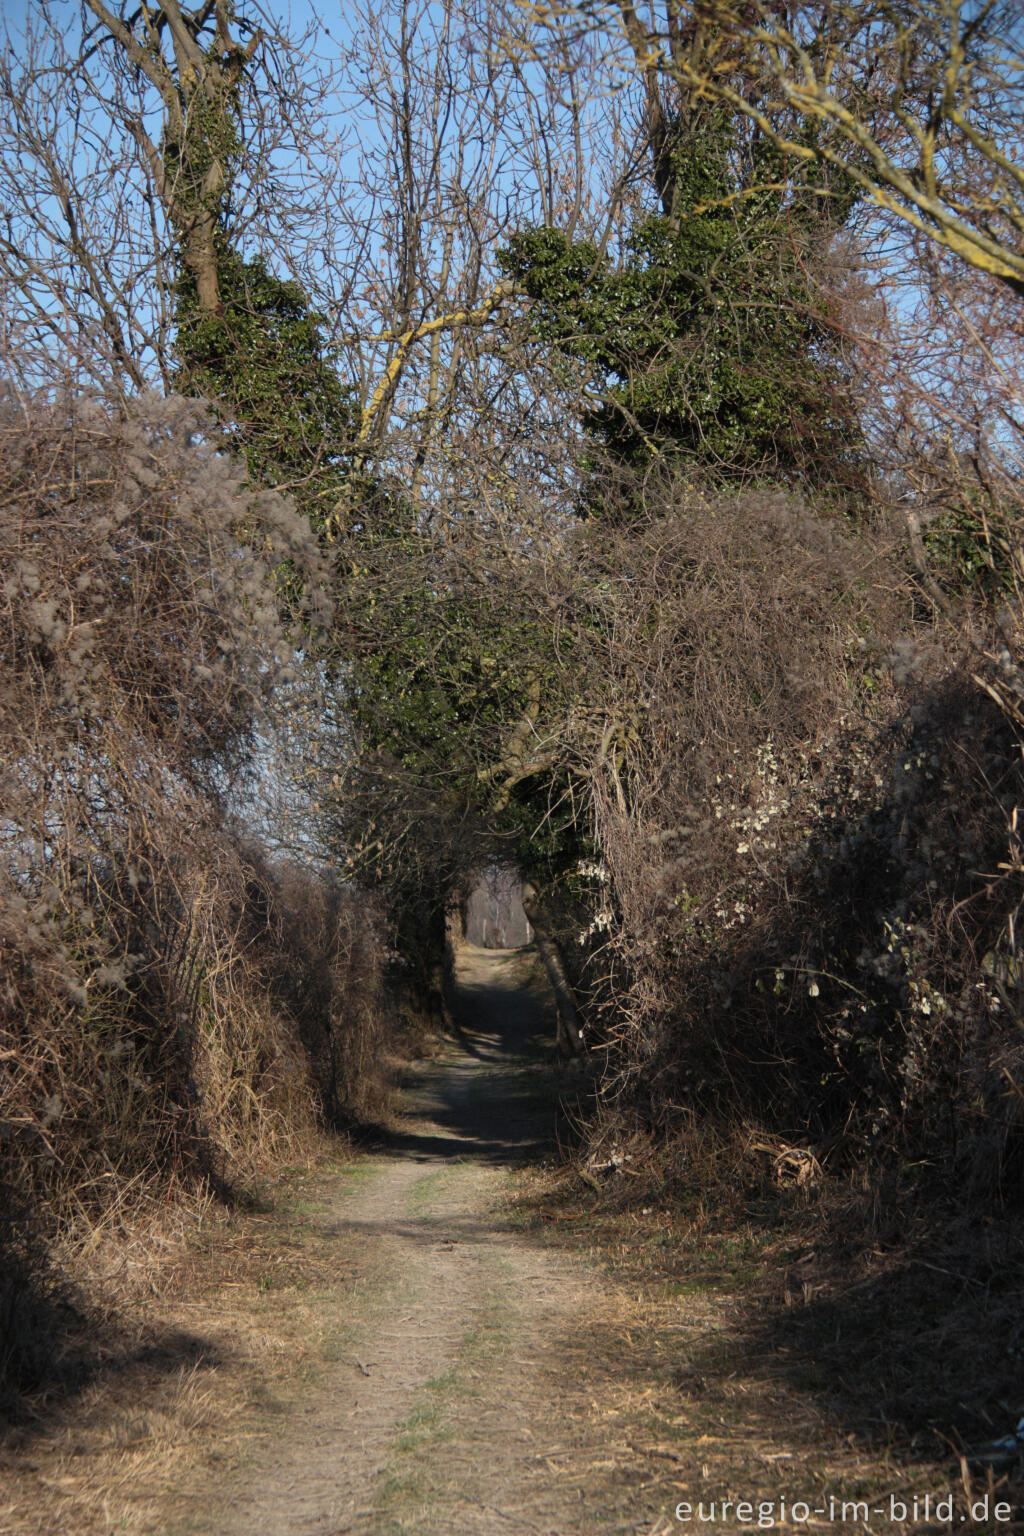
[[454, 1406], [422, 1339]]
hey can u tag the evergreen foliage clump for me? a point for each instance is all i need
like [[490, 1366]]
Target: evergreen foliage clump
[[263, 361], [711, 337]]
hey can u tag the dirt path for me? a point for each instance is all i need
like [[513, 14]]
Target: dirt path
[[453, 1406], [389, 1349]]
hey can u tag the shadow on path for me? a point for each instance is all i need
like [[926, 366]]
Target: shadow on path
[[493, 1095]]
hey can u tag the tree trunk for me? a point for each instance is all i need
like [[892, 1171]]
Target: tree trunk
[[570, 1026], [454, 939], [199, 250]]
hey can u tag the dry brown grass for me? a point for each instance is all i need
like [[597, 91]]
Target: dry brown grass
[[769, 1355], [226, 1326]]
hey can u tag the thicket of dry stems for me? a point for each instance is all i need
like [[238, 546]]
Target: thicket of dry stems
[[802, 926], [177, 1012]]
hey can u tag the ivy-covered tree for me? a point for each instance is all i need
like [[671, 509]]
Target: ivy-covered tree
[[710, 337], [262, 359], [246, 339]]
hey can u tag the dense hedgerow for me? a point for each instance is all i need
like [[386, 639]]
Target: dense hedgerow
[[176, 1012], [798, 926]]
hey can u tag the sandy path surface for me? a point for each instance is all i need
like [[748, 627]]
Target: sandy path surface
[[454, 1406]]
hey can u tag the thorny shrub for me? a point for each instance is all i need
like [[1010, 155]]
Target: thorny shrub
[[175, 1012]]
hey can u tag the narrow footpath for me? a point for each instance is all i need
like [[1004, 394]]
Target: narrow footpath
[[457, 1405], [431, 1339]]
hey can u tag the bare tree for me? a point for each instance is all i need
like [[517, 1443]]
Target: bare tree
[[121, 145], [83, 273], [382, 170], [461, 143]]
